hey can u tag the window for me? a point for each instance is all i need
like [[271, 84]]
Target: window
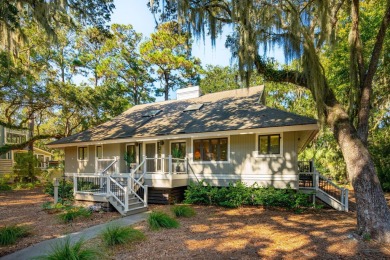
[[193, 107], [215, 149], [178, 150], [269, 144], [151, 113], [82, 153], [99, 152], [16, 138]]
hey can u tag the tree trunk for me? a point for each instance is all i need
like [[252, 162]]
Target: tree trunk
[[30, 146], [373, 213]]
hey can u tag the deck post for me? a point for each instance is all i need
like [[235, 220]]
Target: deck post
[[145, 163], [126, 199], [108, 184], [170, 164], [346, 200], [56, 184], [146, 195], [74, 184]]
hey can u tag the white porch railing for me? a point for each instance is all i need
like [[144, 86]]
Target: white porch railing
[[325, 189], [107, 166], [167, 165]]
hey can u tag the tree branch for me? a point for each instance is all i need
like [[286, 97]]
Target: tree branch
[[9, 147], [366, 91]]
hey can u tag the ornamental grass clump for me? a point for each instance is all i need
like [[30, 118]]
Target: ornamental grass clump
[[73, 213], [66, 250], [183, 211], [159, 220], [9, 235], [115, 235]]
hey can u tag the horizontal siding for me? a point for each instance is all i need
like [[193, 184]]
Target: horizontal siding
[[5, 166]]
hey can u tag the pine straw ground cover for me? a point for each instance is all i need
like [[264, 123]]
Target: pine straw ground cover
[[253, 233], [24, 207]]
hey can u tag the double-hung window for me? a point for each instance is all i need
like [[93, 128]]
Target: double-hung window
[[82, 153], [269, 144]]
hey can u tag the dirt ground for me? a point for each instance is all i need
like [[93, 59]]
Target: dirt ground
[[252, 233], [214, 233], [24, 207]]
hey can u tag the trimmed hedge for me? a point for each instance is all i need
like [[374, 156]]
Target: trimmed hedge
[[238, 194]]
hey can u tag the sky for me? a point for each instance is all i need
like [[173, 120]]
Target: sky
[[136, 13]]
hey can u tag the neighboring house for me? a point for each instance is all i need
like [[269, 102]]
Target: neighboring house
[[220, 138], [17, 136]]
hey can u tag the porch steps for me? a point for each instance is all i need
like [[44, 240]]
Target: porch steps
[[135, 206]]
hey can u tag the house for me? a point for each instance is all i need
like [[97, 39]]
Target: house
[[151, 152], [17, 136]]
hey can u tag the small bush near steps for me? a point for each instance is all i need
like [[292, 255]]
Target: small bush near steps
[[183, 211], [68, 251], [159, 220], [9, 235], [115, 235]]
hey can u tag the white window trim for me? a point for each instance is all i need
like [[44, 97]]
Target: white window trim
[[96, 151], [177, 141], [191, 155], [87, 156], [256, 153], [12, 131], [136, 151]]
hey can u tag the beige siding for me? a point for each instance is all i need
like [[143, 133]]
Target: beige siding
[[245, 164]]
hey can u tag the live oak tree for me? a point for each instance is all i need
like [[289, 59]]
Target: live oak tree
[[169, 51], [304, 29]]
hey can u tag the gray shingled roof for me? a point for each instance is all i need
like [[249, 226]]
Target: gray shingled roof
[[222, 111]]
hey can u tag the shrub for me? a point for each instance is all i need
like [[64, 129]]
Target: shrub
[[65, 191], [26, 167], [238, 194], [183, 211], [73, 213], [200, 193], [159, 220], [115, 235], [5, 187], [9, 235], [67, 251]]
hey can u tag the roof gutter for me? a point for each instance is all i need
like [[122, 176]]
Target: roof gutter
[[189, 135]]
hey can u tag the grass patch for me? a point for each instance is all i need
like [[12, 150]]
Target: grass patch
[[183, 211], [115, 235], [73, 213], [9, 235], [77, 251], [159, 220]]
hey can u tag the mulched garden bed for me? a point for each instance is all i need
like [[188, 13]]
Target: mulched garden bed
[[253, 233], [24, 207]]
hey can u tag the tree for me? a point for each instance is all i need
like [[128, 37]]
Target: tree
[[169, 50], [50, 16], [305, 28], [128, 70]]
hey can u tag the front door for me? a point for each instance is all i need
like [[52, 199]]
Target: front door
[[150, 152]]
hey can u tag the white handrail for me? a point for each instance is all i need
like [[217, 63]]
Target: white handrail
[[124, 190], [109, 166]]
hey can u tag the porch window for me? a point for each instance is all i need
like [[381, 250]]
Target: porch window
[[215, 149], [178, 150], [99, 152], [15, 138], [82, 153], [269, 144]]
